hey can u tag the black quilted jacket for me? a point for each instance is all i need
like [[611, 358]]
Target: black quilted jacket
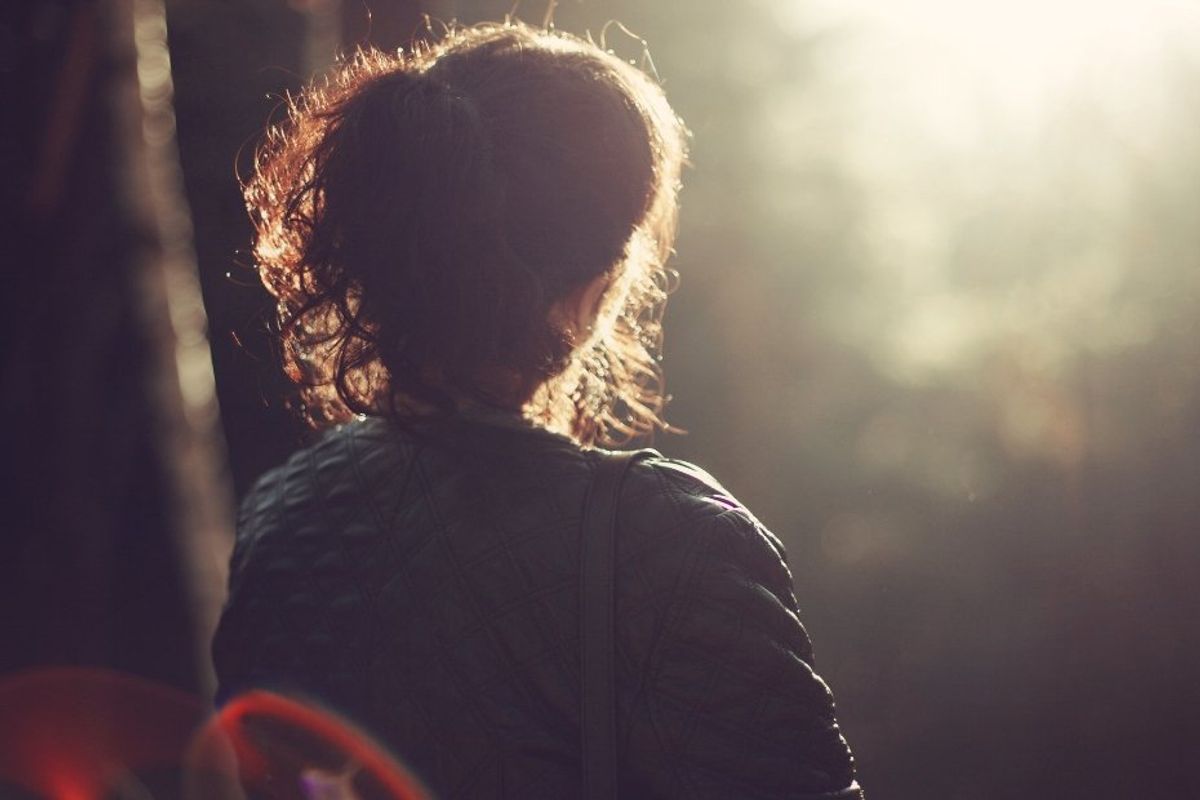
[[427, 587]]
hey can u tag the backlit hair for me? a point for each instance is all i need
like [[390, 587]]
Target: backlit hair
[[419, 214]]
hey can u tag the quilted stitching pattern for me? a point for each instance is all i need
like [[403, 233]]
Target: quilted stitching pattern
[[427, 586]]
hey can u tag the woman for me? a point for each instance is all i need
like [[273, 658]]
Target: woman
[[467, 244]]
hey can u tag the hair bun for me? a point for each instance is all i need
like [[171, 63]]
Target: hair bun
[[419, 215]]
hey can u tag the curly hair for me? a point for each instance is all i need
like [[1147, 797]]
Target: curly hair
[[419, 215]]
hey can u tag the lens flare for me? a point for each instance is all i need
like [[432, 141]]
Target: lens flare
[[74, 734], [82, 734], [278, 746]]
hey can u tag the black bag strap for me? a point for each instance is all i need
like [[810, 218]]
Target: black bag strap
[[598, 708]]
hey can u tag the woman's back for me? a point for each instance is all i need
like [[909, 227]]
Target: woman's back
[[427, 586], [467, 244]]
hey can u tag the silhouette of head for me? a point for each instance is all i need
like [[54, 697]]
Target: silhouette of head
[[482, 220]]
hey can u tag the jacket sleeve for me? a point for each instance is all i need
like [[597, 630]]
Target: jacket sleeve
[[719, 698]]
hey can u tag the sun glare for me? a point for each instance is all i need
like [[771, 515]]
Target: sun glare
[[998, 148], [1022, 47], [957, 59]]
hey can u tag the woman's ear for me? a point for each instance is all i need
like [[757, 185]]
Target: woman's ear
[[575, 313]]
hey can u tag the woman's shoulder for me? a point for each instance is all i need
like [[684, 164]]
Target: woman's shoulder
[[672, 504], [332, 454], [335, 477], [707, 612]]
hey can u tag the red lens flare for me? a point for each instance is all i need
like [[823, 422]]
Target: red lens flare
[[80, 734], [288, 748], [73, 733]]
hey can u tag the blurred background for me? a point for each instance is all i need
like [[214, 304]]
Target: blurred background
[[938, 325]]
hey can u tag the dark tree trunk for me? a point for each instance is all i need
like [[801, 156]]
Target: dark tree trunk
[[111, 480]]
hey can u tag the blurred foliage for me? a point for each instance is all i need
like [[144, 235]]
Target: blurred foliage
[[939, 330]]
